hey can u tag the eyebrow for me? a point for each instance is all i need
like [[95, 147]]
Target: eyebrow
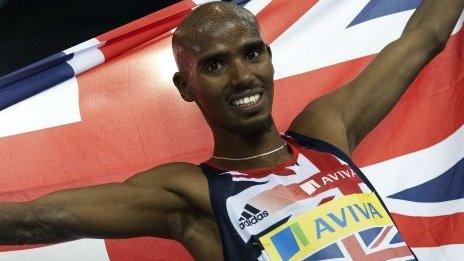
[[253, 44], [215, 54], [222, 52]]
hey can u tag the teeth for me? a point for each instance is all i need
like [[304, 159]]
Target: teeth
[[247, 101]]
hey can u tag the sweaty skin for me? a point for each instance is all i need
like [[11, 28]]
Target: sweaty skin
[[221, 59]]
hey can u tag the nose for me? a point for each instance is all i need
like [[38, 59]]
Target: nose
[[241, 75]]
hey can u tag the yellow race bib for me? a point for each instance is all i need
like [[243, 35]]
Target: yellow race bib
[[317, 228]]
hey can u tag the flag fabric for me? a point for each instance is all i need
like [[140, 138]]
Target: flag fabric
[[106, 109]]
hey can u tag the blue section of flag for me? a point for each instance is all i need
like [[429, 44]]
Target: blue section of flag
[[332, 251], [396, 239], [447, 186], [35, 68], [379, 8], [285, 243], [369, 235], [22, 89]]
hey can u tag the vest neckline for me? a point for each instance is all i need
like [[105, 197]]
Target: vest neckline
[[291, 161]]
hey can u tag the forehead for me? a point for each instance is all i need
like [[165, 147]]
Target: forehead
[[227, 34]]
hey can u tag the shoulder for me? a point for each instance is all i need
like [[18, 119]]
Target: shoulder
[[317, 144], [322, 119]]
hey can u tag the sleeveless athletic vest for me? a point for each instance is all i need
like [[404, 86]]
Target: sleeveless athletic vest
[[316, 206]]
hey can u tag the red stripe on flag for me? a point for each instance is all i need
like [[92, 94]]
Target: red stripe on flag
[[279, 15], [17, 248], [133, 39], [382, 237], [146, 249], [430, 111], [431, 231]]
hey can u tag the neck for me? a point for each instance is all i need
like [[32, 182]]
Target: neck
[[235, 145]]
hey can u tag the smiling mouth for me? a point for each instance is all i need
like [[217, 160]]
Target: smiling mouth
[[247, 101]]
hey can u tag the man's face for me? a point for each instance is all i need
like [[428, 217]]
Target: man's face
[[231, 78]]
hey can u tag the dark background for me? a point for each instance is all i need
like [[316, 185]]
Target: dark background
[[34, 29]]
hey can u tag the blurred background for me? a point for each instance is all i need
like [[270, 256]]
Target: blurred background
[[34, 29]]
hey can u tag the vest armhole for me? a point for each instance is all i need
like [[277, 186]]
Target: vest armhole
[[209, 172]]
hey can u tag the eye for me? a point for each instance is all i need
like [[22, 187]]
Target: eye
[[254, 54], [214, 66]]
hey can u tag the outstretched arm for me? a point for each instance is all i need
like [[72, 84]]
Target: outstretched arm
[[345, 116], [153, 203]]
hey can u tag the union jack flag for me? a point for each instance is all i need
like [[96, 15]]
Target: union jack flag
[[378, 243], [96, 113]]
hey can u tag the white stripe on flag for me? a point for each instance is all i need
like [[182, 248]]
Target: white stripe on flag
[[86, 56], [85, 249], [398, 174], [82, 46], [459, 24], [56, 106], [200, 2], [422, 209], [256, 6], [441, 253], [86, 60]]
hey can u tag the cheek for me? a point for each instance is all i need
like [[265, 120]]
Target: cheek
[[266, 70], [267, 76], [209, 91]]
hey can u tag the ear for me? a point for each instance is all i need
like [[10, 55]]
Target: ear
[[180, 82]]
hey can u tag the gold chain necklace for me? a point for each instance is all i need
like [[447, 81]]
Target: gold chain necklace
[[251, 157]]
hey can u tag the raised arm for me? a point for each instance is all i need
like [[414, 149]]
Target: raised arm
[[345, 116], [153, 203]]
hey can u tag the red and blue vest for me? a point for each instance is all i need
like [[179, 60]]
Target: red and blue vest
[[316, 206]]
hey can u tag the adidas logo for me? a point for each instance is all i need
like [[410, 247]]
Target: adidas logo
[[251, 216]]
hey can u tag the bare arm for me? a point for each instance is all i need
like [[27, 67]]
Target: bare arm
[[153, 203], [345, 116]]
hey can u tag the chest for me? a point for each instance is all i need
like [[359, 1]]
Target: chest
[[255, 203]]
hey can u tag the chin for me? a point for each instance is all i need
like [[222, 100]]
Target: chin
[[256, 127]]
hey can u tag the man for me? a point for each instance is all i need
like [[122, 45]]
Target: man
[[262, 195]]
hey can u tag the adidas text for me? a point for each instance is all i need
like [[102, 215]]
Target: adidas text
[[254, 219]]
